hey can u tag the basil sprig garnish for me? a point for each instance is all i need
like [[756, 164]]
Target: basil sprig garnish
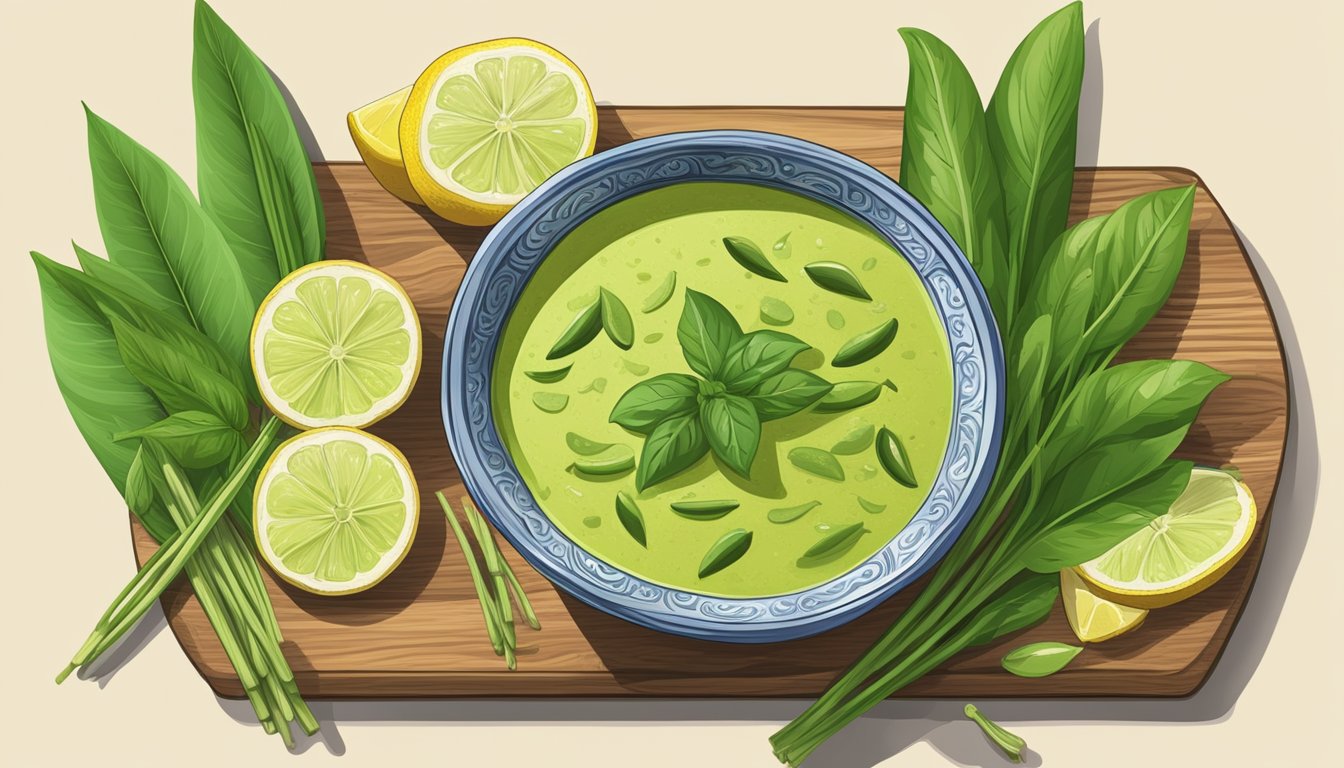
[[743, 379]]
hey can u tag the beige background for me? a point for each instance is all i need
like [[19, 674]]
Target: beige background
[[1249, 99]]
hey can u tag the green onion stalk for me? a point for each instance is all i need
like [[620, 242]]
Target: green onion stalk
[[227, 582]]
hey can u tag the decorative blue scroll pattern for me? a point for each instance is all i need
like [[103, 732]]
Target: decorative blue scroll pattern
[[511, 253]]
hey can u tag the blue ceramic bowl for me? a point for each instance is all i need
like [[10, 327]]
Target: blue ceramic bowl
[[516, 246]]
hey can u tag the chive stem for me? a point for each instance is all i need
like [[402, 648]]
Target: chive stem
[[482, 596], [1011, 744]]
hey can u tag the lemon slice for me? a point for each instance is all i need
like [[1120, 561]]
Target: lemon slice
[[373, 128], [335, 510], [1095, 618], [336, 343], [1182, 552], [487, 123]]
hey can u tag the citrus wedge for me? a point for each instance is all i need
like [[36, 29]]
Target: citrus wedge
[[1095, 618], [1183, 552], [373, 128], [486, 124], [335, 510], [336, 343]]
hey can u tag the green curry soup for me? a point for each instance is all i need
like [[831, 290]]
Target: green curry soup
[[827, 488]]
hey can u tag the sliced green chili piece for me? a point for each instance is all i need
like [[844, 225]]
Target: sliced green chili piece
[[871, 507], [727, 550], [832, 545], [616, 319], [631, 518], [549, 377], [1040, 659], [836, 278], [854, 441], [709, 509], [661, 294], [775, 312], [582, 329], [847, 395], [615, 461], [866, 345], [550, 402], [789, 514], [818, 462], [893, 458], [583, 446], [746, 253]]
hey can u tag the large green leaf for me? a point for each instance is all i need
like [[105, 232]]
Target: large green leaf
[[1124, 422], [787, 393], [254, 176], [177, 380], [945, 158], [1033, 134], [1023, 603], [706, 331], [733, 429], [675, 444], [1104, 278], [196, 439], [103, 397], [653, 400], [116, 292], [758, 356], [153, 227], [1094, 526]]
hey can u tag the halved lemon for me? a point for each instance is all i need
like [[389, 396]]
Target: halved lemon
[[335, 510], [1094, 618], [486, 124], [1183, 552], [335, 343], [373, 128]]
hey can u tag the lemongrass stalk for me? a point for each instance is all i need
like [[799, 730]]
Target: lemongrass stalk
[[491, 555], [482, 596], [150, 582]]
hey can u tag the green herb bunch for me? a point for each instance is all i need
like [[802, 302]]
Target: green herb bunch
[[1086, 458], [744, 380], [149, 350]]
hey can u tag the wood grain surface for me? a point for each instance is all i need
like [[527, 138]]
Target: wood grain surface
[[419, 633]]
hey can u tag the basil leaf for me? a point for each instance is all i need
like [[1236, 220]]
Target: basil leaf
[[1124, 422], [787, 393], [254, 175], [153, 226], [1040, 659], [1032, 124], [946, 162], [101, 394], [672, 446], [116, 292], [758, 356], [734, 430], [175, 379], [1024, 603], [195, 439], [745, 253], [1087, 532], [651, 401], [615, 319], [706, 331]]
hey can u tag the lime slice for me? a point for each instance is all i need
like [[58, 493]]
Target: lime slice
[[1092, 617], [336, 343], [486, 124], [1183, 552], [373, 128], [335, 511]]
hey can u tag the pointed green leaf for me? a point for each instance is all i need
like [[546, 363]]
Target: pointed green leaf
[[153, 227], [254, 175], [946, 161], [733, 429], [1032, 123], [787, 393], [706, 331], [672, 446], [175, 379], [195, 439], [653, 400], [758, 356]]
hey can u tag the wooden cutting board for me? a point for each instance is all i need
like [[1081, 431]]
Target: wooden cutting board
[[419, 633]]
